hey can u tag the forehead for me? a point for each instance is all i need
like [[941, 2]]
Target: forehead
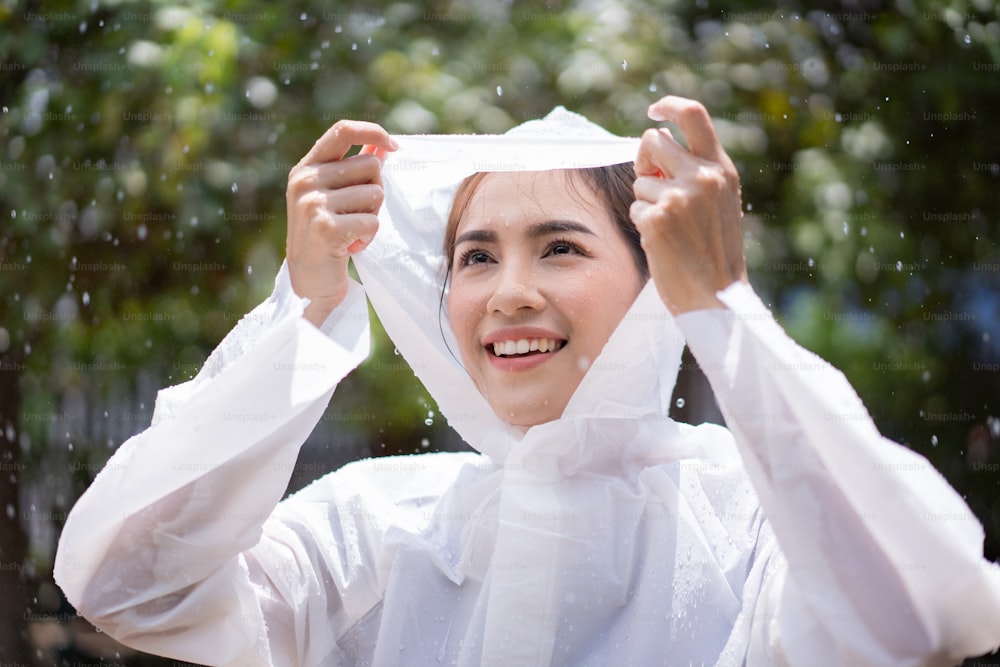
[[526, 196]]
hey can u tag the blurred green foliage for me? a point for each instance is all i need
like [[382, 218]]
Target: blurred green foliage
[[144, 148]]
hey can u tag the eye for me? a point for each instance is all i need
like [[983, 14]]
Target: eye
[[563, 247], [473, 256]]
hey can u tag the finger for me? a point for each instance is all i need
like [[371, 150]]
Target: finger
[[650, 188], [363, 226], [365, 198], [355, 170], [334, 237], [660, 156], [338, 140], [380, 153], [695, 123], [642, 213]]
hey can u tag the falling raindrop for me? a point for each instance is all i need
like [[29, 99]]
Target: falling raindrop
[[234, 187], [249, 270], [652, 87], [967, 39], [11, 511], [680, 402], [934, 441], [624, 65], [899, 265], [500, 91], [425, 443], [141, 232], [85, 298]]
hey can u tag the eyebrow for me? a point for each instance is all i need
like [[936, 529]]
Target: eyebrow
[[547, 228]]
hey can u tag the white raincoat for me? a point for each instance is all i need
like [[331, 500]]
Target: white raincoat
[[614, 536]]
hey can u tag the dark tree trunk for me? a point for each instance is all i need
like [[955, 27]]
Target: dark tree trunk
[[13, 542]]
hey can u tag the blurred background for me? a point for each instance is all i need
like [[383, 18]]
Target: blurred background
[[144, 149]]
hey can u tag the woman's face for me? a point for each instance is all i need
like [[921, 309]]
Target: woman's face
[[541, 277]]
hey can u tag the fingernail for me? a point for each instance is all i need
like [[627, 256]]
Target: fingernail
[[393, 143], [655, 115]]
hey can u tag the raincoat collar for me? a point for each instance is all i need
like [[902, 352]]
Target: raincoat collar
[[403, 272]]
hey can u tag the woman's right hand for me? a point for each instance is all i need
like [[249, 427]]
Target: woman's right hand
[[333, 206]]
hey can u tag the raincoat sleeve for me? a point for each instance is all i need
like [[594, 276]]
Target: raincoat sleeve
[[171, 550], [880, 560]]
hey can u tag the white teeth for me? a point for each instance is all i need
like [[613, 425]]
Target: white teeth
[[524, 345]]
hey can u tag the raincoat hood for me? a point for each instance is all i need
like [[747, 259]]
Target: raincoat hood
[[403, 272]]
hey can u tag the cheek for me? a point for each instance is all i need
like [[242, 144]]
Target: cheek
[[461, 313]]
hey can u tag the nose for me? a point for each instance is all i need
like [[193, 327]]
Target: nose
[[515, 290]]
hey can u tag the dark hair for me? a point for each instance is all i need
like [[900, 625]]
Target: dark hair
[[611, 184]]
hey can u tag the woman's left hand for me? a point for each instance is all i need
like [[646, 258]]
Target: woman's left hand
[[688, 209]]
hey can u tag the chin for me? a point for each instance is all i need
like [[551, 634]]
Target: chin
[[526, 416]]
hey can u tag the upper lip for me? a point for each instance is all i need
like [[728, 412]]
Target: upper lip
[[517, 333]]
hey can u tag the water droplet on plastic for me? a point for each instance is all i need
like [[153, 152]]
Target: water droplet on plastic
[[234, 187], [652, 87], [425, 443], [500, 91], [680, 402], [624, 65], [967, 39], [395, 351], [85, 298]]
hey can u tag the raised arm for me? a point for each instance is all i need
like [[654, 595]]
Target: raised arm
[[884, 559], [171, 550]]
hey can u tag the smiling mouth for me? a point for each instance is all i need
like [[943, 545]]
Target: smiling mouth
[[525, 347]]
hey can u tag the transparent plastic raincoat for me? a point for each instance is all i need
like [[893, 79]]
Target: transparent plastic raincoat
[[613, 536]]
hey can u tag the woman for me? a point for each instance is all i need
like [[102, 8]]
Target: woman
[[592, 529]]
